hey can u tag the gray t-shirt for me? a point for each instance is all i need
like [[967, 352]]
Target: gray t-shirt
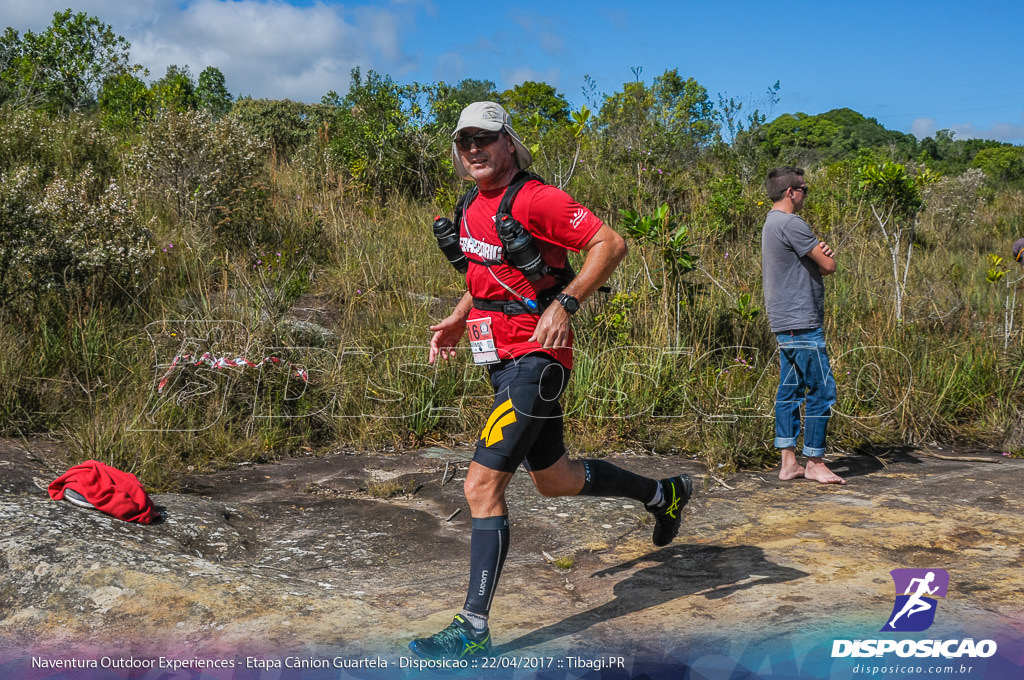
[[794, 293]]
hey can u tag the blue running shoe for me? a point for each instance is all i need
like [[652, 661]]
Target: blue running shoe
[[457, 641]]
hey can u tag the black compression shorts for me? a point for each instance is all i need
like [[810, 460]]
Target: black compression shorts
[[525, 423]]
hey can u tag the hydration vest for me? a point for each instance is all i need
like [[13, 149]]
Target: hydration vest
[[517, 244]]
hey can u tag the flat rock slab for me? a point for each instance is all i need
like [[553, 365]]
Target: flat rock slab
[[314, 556]]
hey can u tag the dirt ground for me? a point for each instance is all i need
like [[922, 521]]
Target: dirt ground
[[313, 556]]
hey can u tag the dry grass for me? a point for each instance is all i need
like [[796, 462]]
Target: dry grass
[[346, 288]]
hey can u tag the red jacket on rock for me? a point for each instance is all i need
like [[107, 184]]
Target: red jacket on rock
[[108, 489]]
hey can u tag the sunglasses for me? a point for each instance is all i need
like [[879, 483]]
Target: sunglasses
[[480, 139], [803, 189]]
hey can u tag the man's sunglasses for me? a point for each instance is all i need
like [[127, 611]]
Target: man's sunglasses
[[803, 189], [480, 139]]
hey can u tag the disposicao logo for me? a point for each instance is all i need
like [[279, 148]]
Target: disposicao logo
[[914, 611], [915, 606]]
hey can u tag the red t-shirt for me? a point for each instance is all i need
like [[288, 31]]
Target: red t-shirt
[[557, 223]]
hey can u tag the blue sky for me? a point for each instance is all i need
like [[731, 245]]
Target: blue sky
[[916, 66]]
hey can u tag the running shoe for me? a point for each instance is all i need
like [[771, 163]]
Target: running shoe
[[676, 492], [457, 641]]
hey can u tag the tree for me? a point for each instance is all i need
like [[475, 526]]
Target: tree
[[374, 137], [529, 99], [657, 131], [835, 135], [1003, 164], [284, 124], [63, 68], [10, 49], [685, 113], [176, 91], [125, 102], [790, 131], [950, 156], [672, 119], [208, 171], [212, 92], [75, 235], [895, 199], [470, 90], [626, 116]]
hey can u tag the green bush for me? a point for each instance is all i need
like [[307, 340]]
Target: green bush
[[202, 169], [72, 238]]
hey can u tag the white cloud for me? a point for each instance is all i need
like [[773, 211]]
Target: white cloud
[[276, 49], [923, 127], [37, 16], [265, 48], [271, 49], [999, 131], [450, 67], [518, 76]]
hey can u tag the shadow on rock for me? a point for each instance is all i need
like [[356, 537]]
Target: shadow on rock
[[873, 459], [710, 571]]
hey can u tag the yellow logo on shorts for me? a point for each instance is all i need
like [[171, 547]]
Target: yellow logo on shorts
[[504, 415]]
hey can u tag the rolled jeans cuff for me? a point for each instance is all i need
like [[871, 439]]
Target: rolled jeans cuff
[[785, 442], [813, 453]]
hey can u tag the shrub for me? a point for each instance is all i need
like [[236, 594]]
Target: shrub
[[200, 167], [74, 236], [284, 125], [65, 145]]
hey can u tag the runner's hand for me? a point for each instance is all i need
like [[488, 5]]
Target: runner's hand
[[553, 329], [447, 334]]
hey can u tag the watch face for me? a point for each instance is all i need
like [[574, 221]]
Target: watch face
[[570, 303]]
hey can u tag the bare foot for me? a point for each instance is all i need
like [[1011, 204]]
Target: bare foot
[[819, 472], [790, 469], [793, 471]]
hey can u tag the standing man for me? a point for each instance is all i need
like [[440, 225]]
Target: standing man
[[794, 262], [519, 328]]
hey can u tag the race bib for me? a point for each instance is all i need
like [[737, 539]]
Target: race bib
[[481, 341]]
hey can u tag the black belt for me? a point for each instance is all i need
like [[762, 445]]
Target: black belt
[[514, 307], [508, 307]]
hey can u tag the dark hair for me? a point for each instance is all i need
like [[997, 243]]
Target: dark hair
[[781, 179]]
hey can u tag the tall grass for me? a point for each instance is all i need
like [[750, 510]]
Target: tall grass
[[287, 260]]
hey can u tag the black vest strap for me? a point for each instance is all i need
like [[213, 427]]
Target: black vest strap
[[517, 183], [564, 275]]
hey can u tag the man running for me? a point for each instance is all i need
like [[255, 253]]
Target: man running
[[519, 327]]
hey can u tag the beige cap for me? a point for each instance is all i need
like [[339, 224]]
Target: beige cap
[[488, 116]]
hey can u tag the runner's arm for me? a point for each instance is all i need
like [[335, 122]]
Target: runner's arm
[[605, 250]]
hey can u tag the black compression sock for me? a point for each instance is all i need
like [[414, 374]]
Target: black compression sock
[[488, 549], [605, 479]]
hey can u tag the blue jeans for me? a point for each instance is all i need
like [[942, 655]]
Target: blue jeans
[[805, 378]]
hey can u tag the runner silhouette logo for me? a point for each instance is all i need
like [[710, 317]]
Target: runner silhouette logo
[[915, 606]]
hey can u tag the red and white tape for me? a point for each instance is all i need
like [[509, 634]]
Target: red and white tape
[[214, 362]]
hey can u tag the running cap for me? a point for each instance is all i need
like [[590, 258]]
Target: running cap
[[488, 116]]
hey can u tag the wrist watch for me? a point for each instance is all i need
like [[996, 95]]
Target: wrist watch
[[568, 302]]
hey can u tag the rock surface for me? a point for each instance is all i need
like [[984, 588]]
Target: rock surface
[[310, 555]]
